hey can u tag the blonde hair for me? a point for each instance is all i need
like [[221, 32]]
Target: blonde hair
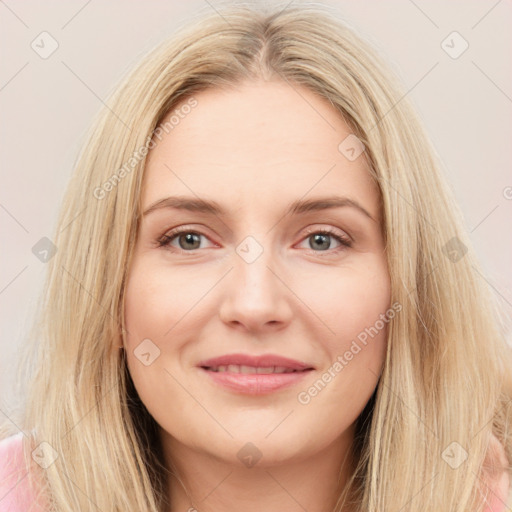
[[444, 379]]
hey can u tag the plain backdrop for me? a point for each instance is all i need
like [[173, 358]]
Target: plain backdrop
[[46, 105]]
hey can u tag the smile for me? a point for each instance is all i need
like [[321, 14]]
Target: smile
[[253, 380], [248, 370]]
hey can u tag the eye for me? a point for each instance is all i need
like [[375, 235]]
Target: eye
[[187, 239], [320, 240]]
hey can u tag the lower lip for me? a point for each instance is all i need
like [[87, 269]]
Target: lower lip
[[256, 383]]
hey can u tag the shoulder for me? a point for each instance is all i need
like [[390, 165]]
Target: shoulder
[[497, 488], [15, 492]]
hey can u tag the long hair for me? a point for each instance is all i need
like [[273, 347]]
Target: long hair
[[443, 390]]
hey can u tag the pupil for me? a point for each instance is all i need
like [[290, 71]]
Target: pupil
[[189, 237], [321, 237]]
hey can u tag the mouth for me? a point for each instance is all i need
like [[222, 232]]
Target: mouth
[[254, 375], [251, 370]]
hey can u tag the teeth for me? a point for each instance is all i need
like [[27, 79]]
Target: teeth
[[235, 368], [265, 370]]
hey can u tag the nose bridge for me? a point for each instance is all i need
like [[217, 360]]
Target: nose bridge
[[252, 268], [255, 296]]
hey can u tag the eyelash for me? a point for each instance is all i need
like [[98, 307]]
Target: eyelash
[[345, 241]]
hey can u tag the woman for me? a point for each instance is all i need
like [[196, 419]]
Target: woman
[[263, 296]]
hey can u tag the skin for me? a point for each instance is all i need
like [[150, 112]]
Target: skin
[[254, 150]]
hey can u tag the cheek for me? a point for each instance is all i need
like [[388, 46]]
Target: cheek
[[356, 308], [156, 299], [351, 301], [148, 317]]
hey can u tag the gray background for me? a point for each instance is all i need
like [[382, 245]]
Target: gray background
[[46, 105]]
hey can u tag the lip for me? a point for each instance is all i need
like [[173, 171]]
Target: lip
[[264, 360], [255, 383]]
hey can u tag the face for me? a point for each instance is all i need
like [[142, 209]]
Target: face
[[269, 257]]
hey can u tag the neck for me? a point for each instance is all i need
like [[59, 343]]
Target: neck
[[207, 483]]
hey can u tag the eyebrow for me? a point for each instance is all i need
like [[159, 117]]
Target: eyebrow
[[301, 206]]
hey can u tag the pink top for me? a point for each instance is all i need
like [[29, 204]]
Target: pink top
[[17, 496], [15, 493]]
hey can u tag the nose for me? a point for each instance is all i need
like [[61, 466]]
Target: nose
[[256, 297]]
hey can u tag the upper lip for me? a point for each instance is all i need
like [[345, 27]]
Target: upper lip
[[262, 361]]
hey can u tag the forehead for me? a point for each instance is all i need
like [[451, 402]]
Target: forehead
[[254, 145]]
